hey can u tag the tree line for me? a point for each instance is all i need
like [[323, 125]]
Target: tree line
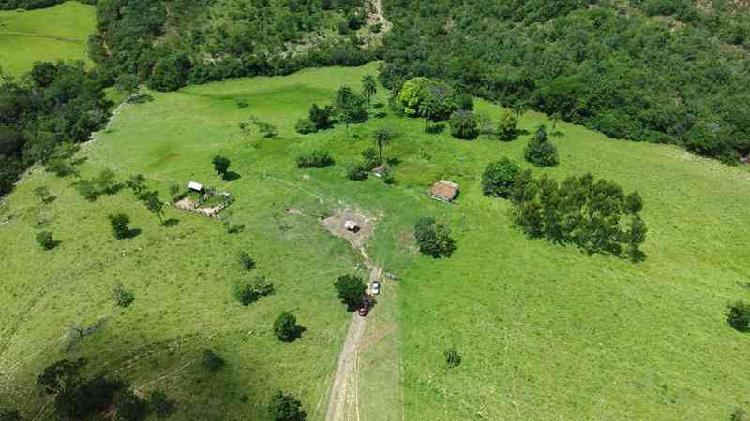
[[44, 114], [170, 43], [614, 68]]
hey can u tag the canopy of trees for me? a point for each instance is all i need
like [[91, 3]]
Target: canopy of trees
[[664, 71], [169, 43], [56, 104]]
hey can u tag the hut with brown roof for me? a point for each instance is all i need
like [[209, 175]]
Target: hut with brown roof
[[444, 190]]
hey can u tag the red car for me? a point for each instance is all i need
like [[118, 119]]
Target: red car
[[366, 304]]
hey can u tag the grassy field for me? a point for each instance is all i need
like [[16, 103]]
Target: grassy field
[[544, 331], [49, 34]]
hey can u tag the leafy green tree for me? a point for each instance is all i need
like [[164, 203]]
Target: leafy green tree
[[433, 239], [211, 361], [351, 291], [738, 316], [464, 125], [170, 73], [153, 204], [369, 87], [127, 83], [286, 327], [45, 240], [508, 128], [285, 407], [120, 228], [129, 406], [249, 291], [315, 159], [221, 165], [160, 404], [635, 236], [541, 151], [351, 107], [498, 178], [62, 376], [452, 359], [136, 183], [633, 203]]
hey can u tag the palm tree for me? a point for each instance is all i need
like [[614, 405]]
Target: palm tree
[[382, 137], [369, 87]]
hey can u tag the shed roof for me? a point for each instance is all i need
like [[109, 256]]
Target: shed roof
[[444, 190], [194, 185]]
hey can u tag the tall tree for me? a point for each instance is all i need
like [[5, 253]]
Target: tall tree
[[369, 87]]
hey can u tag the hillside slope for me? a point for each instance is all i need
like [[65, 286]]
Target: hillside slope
[[544, 331]]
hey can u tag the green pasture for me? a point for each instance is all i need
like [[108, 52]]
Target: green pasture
[[49, 34], [545, 332]]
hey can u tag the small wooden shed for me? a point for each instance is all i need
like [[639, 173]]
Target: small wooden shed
[[444, 190], [195, 186]]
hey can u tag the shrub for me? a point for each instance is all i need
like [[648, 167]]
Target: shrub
[[160, 404], [123, 298], [45, 240], [371, 158], [464, 125], [129, 406], [286, 327], [452, 359], [211, 361], [305, 126], [284, 407], [541, 151], [249, 291], [498, 177], [322, 118], [738, 316], [315, 159], [357, 172], [508, 128], [247, 262], [351, 291], [433, 239], [120, 228]]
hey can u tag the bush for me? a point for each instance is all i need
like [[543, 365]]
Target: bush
[[286, 327], [284, 407], [160, 404], [738, 316], [305, 126], [498, 178], [45, 240], [123, 298], [249, 291], [211, 361], [170, 73], [371, 158], [322, 118], [541, 151], [315, 159], [247, 262], [357, 172], [464, 125], [452, 359], [433, 239], [508, 128], [120, 228], [351, 291]]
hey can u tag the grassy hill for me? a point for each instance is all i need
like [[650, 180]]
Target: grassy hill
[[49, 34], [544, 331]]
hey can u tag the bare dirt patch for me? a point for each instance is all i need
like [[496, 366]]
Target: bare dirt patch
[[336, 224]]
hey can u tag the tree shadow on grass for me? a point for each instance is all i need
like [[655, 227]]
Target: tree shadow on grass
[[231, 176], [132, 233], [171, 222], [299, 330]]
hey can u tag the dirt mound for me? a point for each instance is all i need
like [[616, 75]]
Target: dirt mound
[[337, 225]]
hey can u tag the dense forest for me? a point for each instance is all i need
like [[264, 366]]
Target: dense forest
[[666, 71], [169, 43], [43, 115]]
